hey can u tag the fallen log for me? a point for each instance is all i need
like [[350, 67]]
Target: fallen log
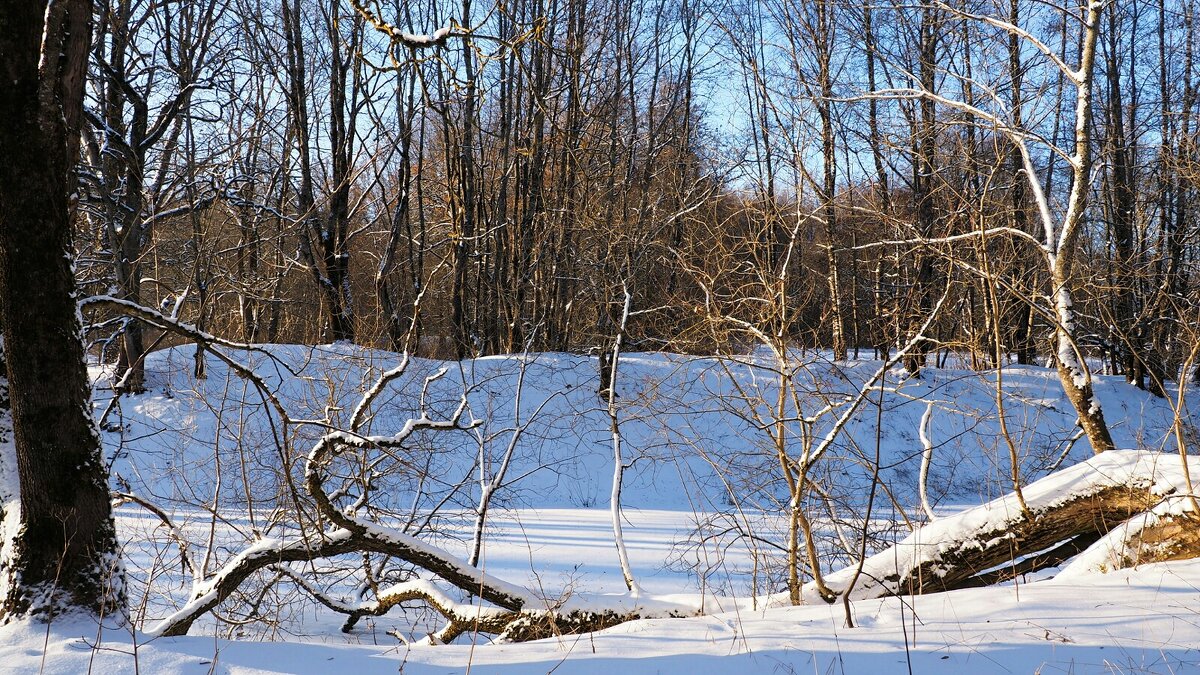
[[1070, 511]]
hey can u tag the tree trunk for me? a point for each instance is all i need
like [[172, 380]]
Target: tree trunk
[[1121, 204], [824, 47], [64, 555], [1072, 364], [925, 166]]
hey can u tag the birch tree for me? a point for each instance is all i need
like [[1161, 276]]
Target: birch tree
[[1061, 226]]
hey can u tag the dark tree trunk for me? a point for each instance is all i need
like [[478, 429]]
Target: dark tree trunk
[[1025, 334], [824, 46], [1121, 202], [323, 236], [1023, 316], [885, 297], [65, 557], [924, 159], [123, 174]]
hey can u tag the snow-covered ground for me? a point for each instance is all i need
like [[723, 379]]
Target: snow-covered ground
[[1143, 621], [705, 474]]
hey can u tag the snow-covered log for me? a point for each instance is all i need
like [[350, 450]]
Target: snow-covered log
[[1127, 502]]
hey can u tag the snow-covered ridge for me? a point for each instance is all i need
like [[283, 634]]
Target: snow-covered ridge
[[683, 418]]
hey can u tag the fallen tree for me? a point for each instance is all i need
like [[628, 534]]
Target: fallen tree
[[499, 607], [332, 524], [1116, 510]]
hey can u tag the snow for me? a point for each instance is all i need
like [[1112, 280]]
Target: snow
[[1110, 469], [677, 414], [10, 500], [1139, 621], [702, 471], [421, 40]]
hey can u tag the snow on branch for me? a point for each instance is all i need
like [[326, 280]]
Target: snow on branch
[[403, 38], [949, 239]]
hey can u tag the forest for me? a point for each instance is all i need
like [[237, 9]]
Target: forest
[[500, 178], [365, 321]]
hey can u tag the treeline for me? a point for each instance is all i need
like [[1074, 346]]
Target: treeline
[[460, 179]]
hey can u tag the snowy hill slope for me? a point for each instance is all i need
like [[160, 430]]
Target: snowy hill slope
[[686, 419], [213, 454], [703, 509]]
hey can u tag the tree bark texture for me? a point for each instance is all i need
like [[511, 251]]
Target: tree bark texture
[[62, 556]]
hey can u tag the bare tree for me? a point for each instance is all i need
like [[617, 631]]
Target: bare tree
[[1061, 231], [133, 141]]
